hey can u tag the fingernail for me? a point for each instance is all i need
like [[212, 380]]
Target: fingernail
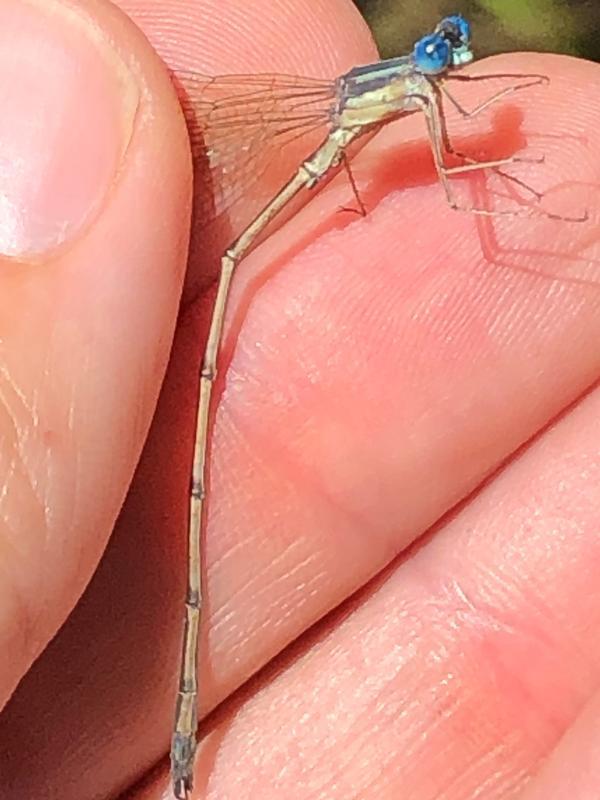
[[67, 111]]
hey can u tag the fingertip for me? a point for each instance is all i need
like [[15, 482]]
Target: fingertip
[[320, 39]]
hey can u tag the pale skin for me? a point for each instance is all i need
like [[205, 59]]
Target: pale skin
[[462, 666]]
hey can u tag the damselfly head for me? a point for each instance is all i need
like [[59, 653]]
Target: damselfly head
[[456, 30], [448, 46]]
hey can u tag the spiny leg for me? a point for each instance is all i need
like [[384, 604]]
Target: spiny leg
[[474, 164], [345, 162], [469, 160], [532, 80], [435, 124]]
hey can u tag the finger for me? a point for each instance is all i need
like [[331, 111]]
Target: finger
[[86, 110], [106, 681], [452, 675]]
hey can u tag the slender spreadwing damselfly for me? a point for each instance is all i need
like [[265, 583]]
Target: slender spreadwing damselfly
[[228, 110]]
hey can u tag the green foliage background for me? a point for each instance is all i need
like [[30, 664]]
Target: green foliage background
[[559, 26]]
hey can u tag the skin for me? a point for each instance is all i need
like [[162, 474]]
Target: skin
[[407, 437]]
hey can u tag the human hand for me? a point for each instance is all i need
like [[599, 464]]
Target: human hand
[[379, 370]]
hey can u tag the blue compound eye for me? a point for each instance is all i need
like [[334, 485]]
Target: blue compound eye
[[432, 54], [456, 29]]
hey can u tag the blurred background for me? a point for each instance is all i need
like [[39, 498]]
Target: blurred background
[[558, 26]]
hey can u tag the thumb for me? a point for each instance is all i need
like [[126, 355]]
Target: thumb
[[95, 187]]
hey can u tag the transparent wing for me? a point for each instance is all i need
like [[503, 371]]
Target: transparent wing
[[248, 134]]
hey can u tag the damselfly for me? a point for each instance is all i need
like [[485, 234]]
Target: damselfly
[[234, 112]]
